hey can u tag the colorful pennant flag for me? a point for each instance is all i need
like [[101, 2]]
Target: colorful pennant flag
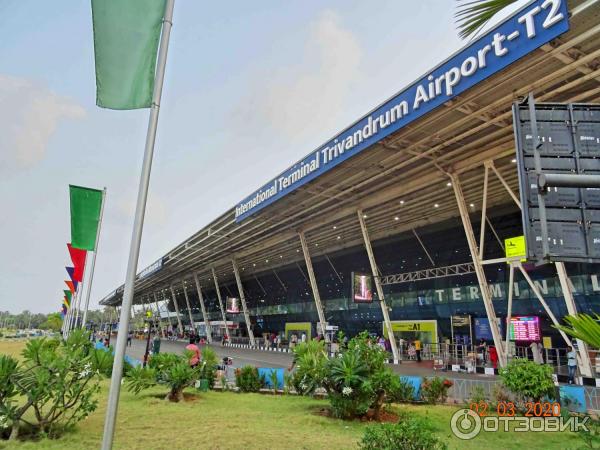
[[126, 37], [71, 286], [86, 205], [78, 258], [68, 298]]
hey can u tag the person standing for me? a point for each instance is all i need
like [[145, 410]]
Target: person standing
[[129, 338], [572, 364], [535, 350], [418, 349], [195, 356], [156, 344]]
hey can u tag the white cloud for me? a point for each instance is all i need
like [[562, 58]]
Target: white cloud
[[156, 209], [285, 100], [30, 114]]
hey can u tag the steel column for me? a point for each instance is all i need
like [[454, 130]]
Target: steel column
[[483, 286], [585, 365], [189, 308], [214, 274], [483, 211], [313, 283], [238, 280], [511, 287], [176, 309], [162, 330], [204, 316], [384, 309]]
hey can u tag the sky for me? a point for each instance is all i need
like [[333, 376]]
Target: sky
[[250, 88]]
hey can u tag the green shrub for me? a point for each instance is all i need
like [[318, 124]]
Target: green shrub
[[54, 386], [410, 433], [435, 390], [247, 379], [310, 372], [402, 390], [208, 366], [528, 380]]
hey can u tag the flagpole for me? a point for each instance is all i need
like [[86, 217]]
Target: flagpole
[[78, 303], [93, 265], [136, 237]]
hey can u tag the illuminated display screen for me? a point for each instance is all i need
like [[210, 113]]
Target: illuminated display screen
[[233, 305], [525, 328], [362, 288]]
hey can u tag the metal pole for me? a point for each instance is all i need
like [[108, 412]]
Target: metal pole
[[214, 274], [585, 365], [238, 280], [187, 303], [483, 286], [313, 283], [176, 310], [511, 280], [537, 293], [136, 238], [423, 247], [483, 211], [93, 265], [162, 330], [204, 316], [378, 286]]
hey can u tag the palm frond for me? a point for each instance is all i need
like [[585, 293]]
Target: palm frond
[[584, 327], [473, 15]]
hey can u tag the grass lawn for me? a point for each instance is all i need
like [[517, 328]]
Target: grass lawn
[[215, 420]]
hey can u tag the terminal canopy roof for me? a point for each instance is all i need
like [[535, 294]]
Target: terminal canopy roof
[[400, 182]]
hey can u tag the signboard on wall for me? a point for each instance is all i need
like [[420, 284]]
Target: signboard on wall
[[424, 330], [483, 330], [525, 329], [298, 328], [520, 34], [362, 288]]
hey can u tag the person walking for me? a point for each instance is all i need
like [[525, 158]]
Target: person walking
[[129, 338], [571, 364]]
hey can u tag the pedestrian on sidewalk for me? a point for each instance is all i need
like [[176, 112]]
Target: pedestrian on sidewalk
[[571, 364], [195, 352], [129, 338], [418, 349]]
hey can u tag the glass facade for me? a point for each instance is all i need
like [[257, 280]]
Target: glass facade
[[283, 294]]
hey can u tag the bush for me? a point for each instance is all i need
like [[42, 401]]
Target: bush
[[247, 379], [402, 391], [435, 390], [165, 368], [528, 380], [54, 386], [310, 372], [410, 433], [208, 366]]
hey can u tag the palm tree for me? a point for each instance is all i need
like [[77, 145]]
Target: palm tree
[[584, 327], [473, 15]]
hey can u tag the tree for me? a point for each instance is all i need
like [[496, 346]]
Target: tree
[[473, 15], [53, 322]]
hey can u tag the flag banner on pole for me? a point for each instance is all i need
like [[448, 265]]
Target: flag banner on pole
[[78, 258], [85, 215], [68, 297], [64, 305], [71, 286], [71, 272], [126, 38]]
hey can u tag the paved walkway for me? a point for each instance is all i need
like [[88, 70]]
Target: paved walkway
[[260, 358]]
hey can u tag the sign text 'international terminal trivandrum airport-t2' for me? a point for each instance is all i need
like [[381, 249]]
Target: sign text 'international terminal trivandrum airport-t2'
[[526, 30]]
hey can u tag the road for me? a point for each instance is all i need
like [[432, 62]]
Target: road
[[259, 358]]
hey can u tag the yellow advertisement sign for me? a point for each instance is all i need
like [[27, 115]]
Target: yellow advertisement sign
[[297, 328], [409, 330], [515, 246]]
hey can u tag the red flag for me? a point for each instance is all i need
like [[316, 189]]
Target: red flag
[[71, 286], [78, 258]]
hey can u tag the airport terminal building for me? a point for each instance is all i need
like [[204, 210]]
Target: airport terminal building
[[399, 222]]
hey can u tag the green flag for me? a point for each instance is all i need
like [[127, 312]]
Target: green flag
[[86, 204], [126, 37]]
